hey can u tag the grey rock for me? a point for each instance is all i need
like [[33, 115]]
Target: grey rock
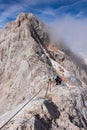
[[29, 97]]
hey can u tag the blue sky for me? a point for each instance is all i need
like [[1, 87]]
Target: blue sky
[[45, 10], [68, 18]]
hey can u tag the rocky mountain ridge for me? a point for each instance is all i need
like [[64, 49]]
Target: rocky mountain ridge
[[28, 62]]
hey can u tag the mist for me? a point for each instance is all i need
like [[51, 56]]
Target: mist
[[70, 34], [71, 31]]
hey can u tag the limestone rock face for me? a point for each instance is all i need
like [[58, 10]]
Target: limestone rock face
[[29, 97]]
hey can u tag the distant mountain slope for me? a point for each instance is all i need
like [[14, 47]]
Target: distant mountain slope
[[84, 55]]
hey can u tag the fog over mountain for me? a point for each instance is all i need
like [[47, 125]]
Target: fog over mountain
[[72, 31], [31, 54]]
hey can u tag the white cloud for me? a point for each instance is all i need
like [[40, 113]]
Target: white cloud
[[49, 12], [73, 32], [76, 3], [34, 2], [11, 11]]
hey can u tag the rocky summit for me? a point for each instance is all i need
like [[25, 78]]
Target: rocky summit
[[30, 99]]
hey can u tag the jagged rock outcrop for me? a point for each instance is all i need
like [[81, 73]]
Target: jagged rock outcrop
[[28, 92]]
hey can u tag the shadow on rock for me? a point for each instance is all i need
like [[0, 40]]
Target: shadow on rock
[[46, 123], [52, 109], [41, 123]]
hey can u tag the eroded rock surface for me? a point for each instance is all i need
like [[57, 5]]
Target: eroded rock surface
[[28, 63]]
